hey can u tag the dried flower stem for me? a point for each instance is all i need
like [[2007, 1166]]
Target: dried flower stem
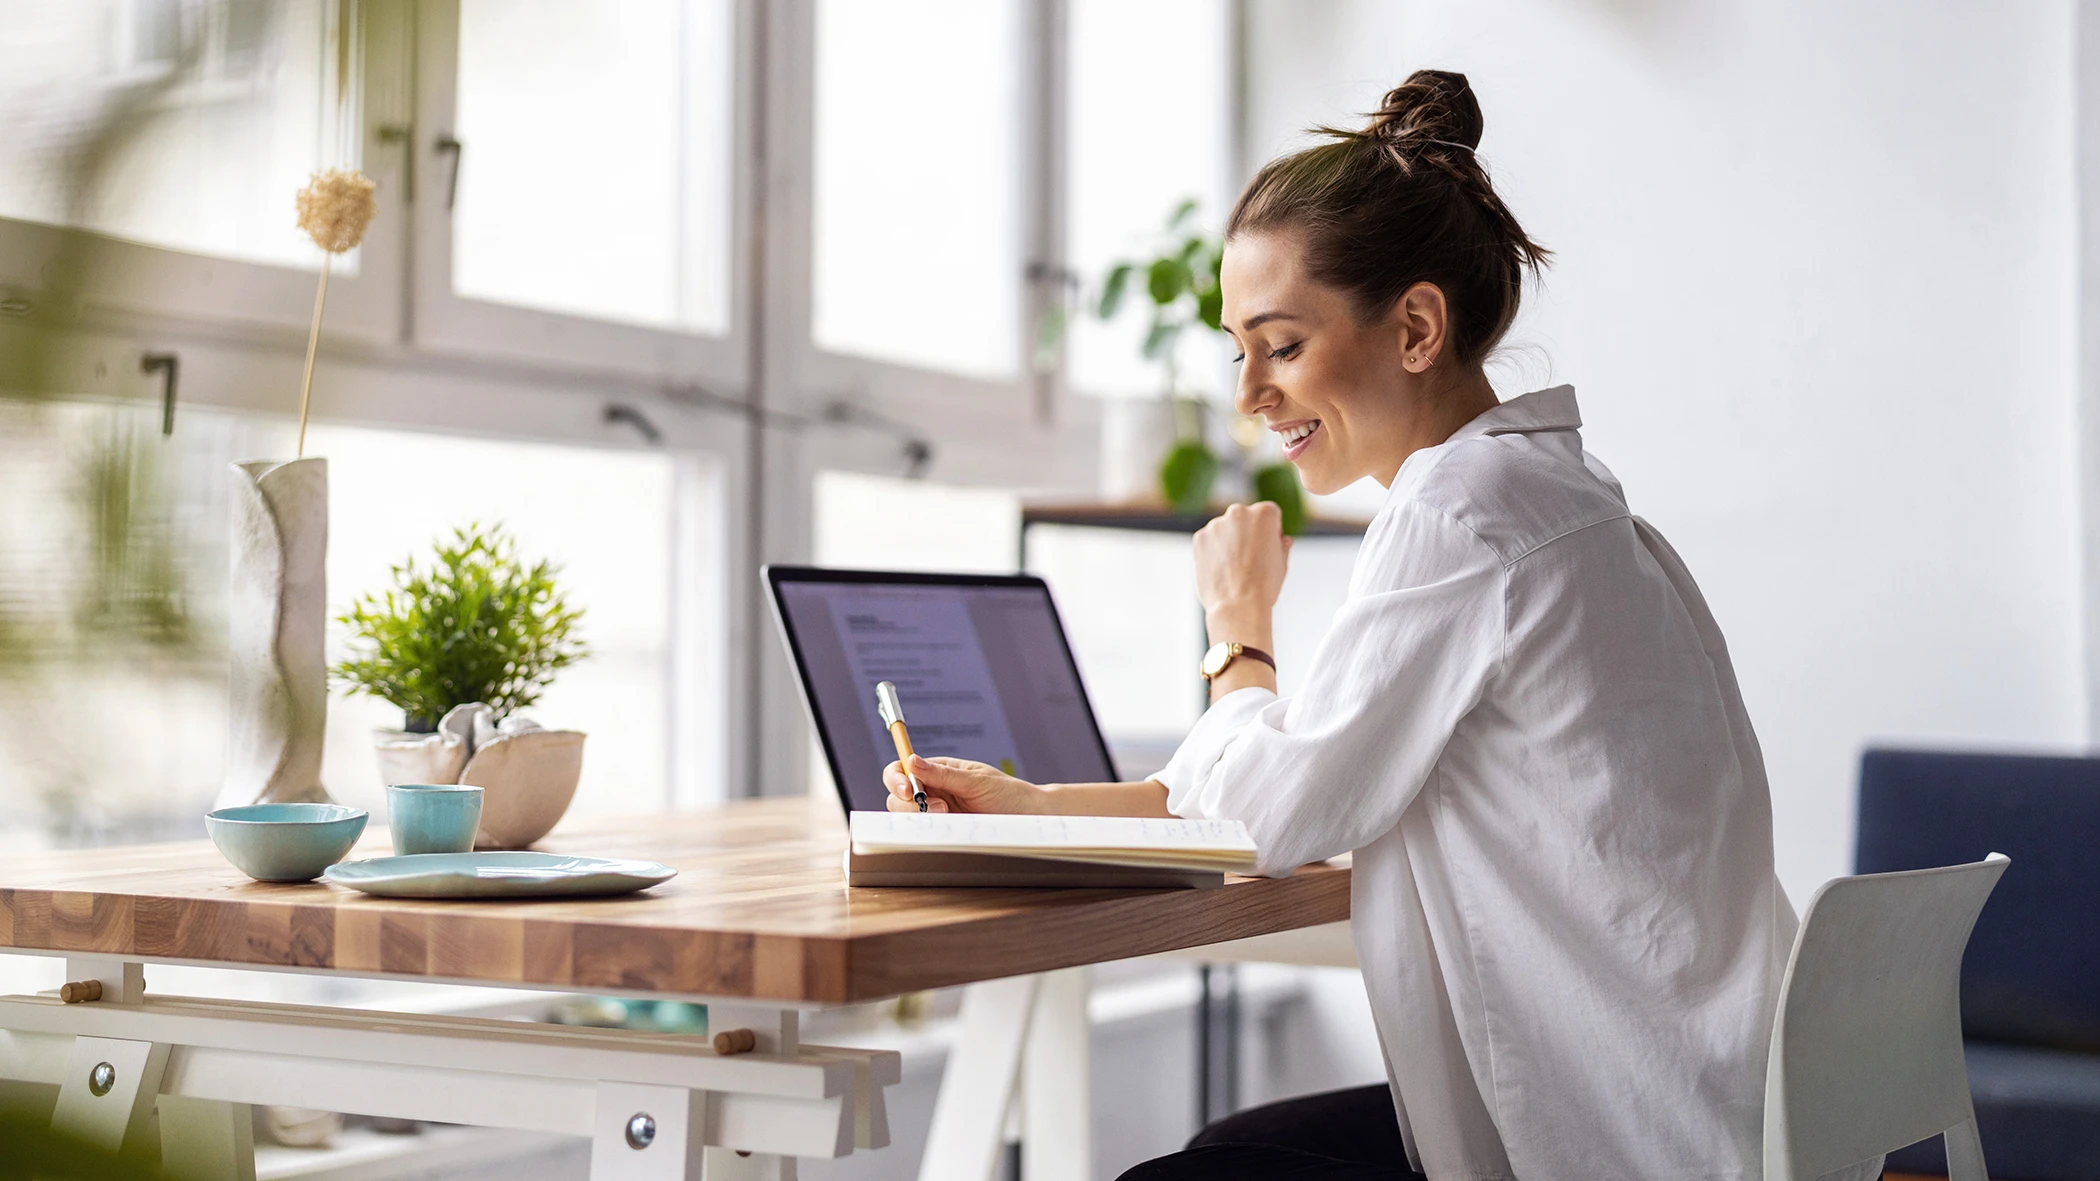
[[313, 342], [334, 209]]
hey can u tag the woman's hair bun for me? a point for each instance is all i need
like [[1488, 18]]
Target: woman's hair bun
[[1436, 106], [1400, 201]]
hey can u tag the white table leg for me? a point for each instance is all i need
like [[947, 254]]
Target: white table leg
[[106, 1094], [647, 1133], [724, 1165], [1057, 1065], [779, 1031], [969, 1117], [204, 1138], [123, 983]]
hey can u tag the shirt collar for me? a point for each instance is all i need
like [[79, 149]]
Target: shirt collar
[[1541, 410]]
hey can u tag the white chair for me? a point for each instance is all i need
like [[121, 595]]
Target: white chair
[[1866, 1048]]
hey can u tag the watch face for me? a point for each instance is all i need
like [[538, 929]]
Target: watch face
[[1215, 660]]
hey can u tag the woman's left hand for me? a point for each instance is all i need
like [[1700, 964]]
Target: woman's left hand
[[1241, 558]]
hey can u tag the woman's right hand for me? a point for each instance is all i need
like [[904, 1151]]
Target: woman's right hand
[[960, 785]]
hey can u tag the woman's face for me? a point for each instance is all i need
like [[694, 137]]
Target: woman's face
[[1334, 390]]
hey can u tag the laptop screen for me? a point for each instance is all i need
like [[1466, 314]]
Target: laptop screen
[[981, 666]]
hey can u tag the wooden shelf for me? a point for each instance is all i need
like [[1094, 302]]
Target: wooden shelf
[[1155, 517]]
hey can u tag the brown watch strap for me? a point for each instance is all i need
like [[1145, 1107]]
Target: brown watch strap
[[1234, 651]]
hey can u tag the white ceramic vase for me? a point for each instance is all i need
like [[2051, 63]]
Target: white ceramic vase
[[277, 610]]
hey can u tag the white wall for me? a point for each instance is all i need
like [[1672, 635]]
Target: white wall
[[1815, 284]]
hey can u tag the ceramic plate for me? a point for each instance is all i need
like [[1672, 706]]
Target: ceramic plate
[[497, 875]]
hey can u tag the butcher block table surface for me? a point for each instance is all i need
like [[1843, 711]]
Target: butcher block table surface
[[759, 909]]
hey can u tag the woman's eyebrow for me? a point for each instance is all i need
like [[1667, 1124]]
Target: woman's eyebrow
[[1254, 322]]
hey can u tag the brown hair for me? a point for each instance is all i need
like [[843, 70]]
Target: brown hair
[[1401, 202]]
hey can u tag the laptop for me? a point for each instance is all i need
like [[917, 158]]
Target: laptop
[[981, 663]]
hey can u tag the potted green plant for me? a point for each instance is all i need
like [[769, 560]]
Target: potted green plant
[[1180, 286], [460, 645]]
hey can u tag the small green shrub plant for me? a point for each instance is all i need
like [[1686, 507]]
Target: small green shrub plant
[[474, 624]]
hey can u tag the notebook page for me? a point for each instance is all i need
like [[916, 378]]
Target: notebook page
[[1221, 843]]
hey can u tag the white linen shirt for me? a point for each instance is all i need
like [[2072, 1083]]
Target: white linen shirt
[[1524, 723]]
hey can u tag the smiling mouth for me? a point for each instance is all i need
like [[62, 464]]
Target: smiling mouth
[[1297, 437]]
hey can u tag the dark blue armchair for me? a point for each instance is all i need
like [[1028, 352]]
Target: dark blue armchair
[[2031, 981]]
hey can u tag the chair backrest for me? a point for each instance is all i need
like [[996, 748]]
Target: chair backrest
[[2032, 961], [1866, 1046]]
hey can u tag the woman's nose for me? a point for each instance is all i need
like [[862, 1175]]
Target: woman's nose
[[1253, 394]]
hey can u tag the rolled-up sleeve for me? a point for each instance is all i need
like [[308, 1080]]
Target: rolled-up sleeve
[[1331, 768]]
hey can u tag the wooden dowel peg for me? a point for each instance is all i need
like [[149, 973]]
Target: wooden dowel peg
[[81, 990], [735, 1041]]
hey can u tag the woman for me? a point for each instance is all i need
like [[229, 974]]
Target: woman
[[1523, 722]]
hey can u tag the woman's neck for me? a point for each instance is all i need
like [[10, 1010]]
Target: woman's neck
[[1439, 410]]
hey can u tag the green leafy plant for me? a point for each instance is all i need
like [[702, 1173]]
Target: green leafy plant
[[476, 624], [1180, 283]]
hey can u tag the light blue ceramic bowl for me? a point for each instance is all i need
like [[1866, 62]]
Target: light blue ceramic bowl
[[285, 842]]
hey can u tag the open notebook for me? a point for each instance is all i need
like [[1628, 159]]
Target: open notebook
[[946, 849]]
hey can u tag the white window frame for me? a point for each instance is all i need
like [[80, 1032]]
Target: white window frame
[[130, 282], [447, 322], [997, 411]]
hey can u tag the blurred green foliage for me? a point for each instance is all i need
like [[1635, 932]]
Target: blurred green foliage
[[1278, 484], [31, 1151], [476, 624], [1180, 284], [134, 588], [1186, 475]]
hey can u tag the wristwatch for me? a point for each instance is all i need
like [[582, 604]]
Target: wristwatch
[[1221, 656]]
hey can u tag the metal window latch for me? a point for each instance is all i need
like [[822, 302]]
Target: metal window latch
[[620, 412], [168, 365], [444, 144], [1052, 273], [404, 135]]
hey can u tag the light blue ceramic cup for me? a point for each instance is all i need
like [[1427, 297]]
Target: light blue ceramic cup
[[433, 817], [285, 842]]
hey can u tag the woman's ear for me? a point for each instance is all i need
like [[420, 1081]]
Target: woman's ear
[[1422, 320]]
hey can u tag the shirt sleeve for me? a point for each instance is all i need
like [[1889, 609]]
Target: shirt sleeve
[[1330, 769]]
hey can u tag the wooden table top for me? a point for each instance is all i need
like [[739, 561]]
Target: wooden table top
[[759, 909]]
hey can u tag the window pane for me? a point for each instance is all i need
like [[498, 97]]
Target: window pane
[[918, 223], [113, 569], [207, 119], [880, 523], [1149, 118], [594, 178]]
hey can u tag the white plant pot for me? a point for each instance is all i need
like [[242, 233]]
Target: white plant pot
[[526, 781], [527, 775], [276, 613], [407, 757], [1135, 436]]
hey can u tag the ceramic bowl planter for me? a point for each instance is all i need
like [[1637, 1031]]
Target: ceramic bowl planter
[[527, 775]]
